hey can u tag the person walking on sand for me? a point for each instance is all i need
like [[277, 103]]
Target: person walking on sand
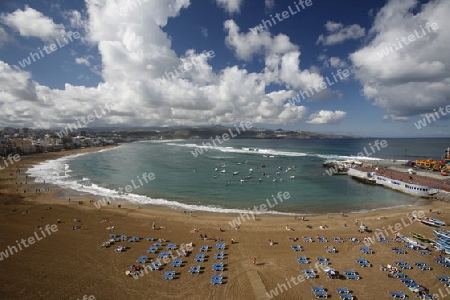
[[254, 260]]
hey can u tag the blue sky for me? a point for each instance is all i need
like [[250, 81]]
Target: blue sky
[[126, 49]]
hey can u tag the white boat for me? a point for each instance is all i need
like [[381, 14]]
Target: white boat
[[432, 222], [235, 173], [223, 171], [415, 243], [443, 232]]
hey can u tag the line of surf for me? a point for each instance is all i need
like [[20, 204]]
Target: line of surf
[[58, 172]]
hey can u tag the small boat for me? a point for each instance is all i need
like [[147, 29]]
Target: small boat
[[437, 221], [239, 163], [443, 232], [223, 171], [235, 173], [415, 243], [419, 236], [432, 222]]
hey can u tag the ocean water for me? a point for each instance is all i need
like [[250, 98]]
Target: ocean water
[[183, 181]]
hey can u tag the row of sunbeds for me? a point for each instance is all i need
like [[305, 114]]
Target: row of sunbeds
[[344, 293]]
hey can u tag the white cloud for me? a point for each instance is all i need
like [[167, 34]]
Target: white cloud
[[337, 33], [416, 78], [82, 61], [32, 23], [134, 52], [204, 31], [336, 62], [269, 4], [326, 117], [230, 6], [4, 37], [247, 45]]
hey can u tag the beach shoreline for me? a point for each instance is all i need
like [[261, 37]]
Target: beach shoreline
[[73, 258]]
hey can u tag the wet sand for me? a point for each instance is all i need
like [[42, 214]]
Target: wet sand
[[69, 264]]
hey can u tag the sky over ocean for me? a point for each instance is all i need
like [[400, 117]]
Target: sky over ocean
[[371, 68]]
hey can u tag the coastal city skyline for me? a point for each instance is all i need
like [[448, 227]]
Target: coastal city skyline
[[368, 69]]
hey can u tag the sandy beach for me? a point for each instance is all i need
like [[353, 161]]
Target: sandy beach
[[69, 264]]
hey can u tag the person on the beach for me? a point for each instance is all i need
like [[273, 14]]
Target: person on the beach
[[254, 260]]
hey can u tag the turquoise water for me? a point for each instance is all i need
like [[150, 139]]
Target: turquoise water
[[186, 182]]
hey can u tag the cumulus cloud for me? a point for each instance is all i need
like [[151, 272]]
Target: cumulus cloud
[[247, 45], [135, 52], [412, 79], [338, 33], [32, 23], [230, 6], [326, 117]]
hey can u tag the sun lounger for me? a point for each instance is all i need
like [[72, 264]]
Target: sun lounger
[[353, 277], [338, 240], [296, 248], [443, 278], [399, 251], [199, 257], [412, 284], [346, 296], [217, 267], [216, 281], [171, 247], [364, 264], [167, 277], [399, 275], [422, 266], [383, 240], [204, 248], [134, 239], [309, 273], [353, 240], [302, 260], [405, 266], [321, 294], [219, 255], [220, 246], [424, 252], [366, 250], [177, 263], [406, 280], [317, 288], [308, 240], [194, 271], [322, 239], [343, 290], [349, 272], [397, 295]]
